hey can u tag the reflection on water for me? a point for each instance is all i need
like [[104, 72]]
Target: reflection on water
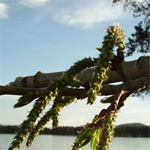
[[53, 142]]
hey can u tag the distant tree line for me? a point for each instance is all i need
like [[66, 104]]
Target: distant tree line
[[119, 131], [62, 130], [11, 129], [132, 131]]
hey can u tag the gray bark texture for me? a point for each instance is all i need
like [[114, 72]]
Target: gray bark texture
[[137, 71]]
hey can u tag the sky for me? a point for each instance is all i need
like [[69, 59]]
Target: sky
[[49, 36]]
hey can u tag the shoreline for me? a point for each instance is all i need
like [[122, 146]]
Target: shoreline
[[123, 130]]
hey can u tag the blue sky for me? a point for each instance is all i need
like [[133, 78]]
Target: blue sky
[[49, 36]]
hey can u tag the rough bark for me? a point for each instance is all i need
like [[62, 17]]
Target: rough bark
[[132, 85], [137, 71], [132, 69]]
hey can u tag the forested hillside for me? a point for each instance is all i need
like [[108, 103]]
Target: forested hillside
[[124, 130]]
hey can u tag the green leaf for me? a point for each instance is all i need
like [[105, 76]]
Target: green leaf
[[24, 100], [84, 137], [94, 140], [86, 141], [96, 118], [107, 100]]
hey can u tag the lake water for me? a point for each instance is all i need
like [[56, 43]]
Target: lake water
[[53, 142]]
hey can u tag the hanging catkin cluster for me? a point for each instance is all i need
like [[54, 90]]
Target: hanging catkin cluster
[[114, 37], [99, 125], [45, 98]]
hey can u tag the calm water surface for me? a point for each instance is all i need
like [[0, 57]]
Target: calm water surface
[[53, 142]]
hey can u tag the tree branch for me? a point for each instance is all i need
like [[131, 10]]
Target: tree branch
[[132, 69], [137, 71], [133, 85]]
